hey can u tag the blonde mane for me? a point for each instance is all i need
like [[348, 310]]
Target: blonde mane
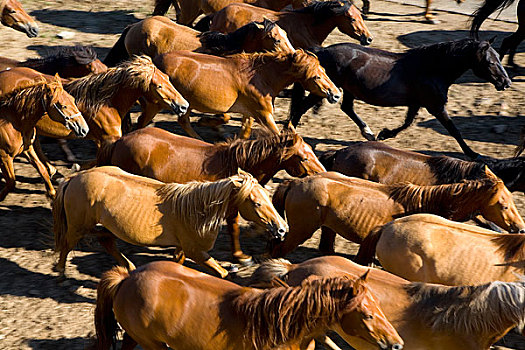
[[26, 99], [202, 206], [96, 90]]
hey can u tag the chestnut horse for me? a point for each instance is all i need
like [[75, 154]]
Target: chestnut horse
[[189, 10], [70, 62], [429, 248], [157, 35], [20, 110], [306, 27], [170, 302], [161, 155], [427, 316], [13, 15], [144, 211], [353, 207], [242, 83]]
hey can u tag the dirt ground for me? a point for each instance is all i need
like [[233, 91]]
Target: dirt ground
[[36, 312]]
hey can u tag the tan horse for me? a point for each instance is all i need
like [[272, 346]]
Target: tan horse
[[169, 302], [353, 207], [429, 248], [189, 10], [157, 35], [13, 15], [427, 316], [20, 110], [144, 211], [306, 28], [242, 83]]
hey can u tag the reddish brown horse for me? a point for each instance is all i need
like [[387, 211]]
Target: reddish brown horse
[[13, 15], [161, 155], [163, 304], [306, 28]]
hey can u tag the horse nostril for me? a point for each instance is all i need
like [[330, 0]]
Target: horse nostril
[[397, 347], [281, 231], [369, 40], [522, 230]]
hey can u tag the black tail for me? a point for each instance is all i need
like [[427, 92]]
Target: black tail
[[118, 52], [327, 159], [482, 13], [204, 24], [162, 7]]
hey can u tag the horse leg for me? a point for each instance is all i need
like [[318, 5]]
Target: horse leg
[[184, 121], [41, 155], [246, 127], [128, 343], [204, 259], [178, 255], [8, 171], [107, 240], [265, 118], [347, 106], [301, 105], [409, 119], [366, 7], [67, 243], [429, 18], [326, 244], [511, 42], [232, 223], [35, 161], [149, 110]]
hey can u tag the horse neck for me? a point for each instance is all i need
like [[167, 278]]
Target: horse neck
[[271, 77], [125, 97], [316, 32], [23, 120]]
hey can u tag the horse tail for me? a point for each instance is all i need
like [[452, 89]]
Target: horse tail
[[279, 196], [521, 146], [204, 24], [105, 152], [483, 12], [161, 7], [328, 159], [262, 277], [367, 250], [118, 52], [105, 322], [60, 218]]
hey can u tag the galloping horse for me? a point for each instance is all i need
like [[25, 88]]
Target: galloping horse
[[161, 155], [306, 27], [427, 316], [20, 110], [70, 62], [353, 207], [189, 10], [417, 78], [13, 15], [157, 35], [242, 83], [169, 301], [144, 211], [429, 248], [511, 42]]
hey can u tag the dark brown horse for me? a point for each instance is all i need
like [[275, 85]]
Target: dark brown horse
[[161, 155], [13, 15], [417, 78], [306, 27], [511, 42]]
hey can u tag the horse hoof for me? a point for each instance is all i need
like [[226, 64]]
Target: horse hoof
[[383, 135], [431, 21], [246, 261], [368, 134]]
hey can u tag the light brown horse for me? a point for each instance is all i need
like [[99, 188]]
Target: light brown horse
[[189, 10], [157, 35], [242, 83], [13, 15], [429, 248], [353, 207], [306, 28], [143, 211], [427, 316], [161, 155], [20, 110], [169, 302]]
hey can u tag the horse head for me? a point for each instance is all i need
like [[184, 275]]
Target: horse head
[[13, 15], [352, 24], [299, 160], [488, 66]]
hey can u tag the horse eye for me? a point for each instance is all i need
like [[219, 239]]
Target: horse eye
[[11, 11], [505, 208], [257, 204], [159, 86], [277, 41], [368, 317]]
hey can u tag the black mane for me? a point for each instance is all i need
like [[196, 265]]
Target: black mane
[[448, 170], [445, 48], [64, 57], [324, 10]]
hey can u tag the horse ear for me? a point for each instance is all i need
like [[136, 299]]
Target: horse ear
[[290, 128], [491, 40], [364, 278], [242, 172], [259, 25], [490, 174]]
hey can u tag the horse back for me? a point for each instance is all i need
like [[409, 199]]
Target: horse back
[[236, 15]]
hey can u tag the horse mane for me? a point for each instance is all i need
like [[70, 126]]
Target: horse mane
[[512, 246], [65, 56], [441, 199], [277, 316], [445, 48], [486, 308], [95, 90], [449, 170], [27, 98], [324, 10], [202, 206], [246, 154]]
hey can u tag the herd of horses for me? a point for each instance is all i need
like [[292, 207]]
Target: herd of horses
[[444, 284]]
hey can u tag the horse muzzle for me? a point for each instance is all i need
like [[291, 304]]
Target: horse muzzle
[[77, 128], [179, 109], [31, 29], [503, 84], [365, 40], [277, 231], [333, 98]]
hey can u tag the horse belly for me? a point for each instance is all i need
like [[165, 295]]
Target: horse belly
[[11, 141]]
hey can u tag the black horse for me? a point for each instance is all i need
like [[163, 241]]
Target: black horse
[[417, 78], [511, 42]]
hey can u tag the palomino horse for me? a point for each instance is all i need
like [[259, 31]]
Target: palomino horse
[[429, 248], [70, 62], [169, 301], [20, 110], [511, 42], [143, 211], [427, 316], [306, 27], [353, 207], [157, 35], [189, 10], [242, 83], [13, 15], [417, 78], [161, 155], [429, 18]]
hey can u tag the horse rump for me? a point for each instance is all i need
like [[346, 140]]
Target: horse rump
[[264, 275]]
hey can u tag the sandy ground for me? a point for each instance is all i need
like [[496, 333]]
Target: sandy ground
[[38, 313]]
